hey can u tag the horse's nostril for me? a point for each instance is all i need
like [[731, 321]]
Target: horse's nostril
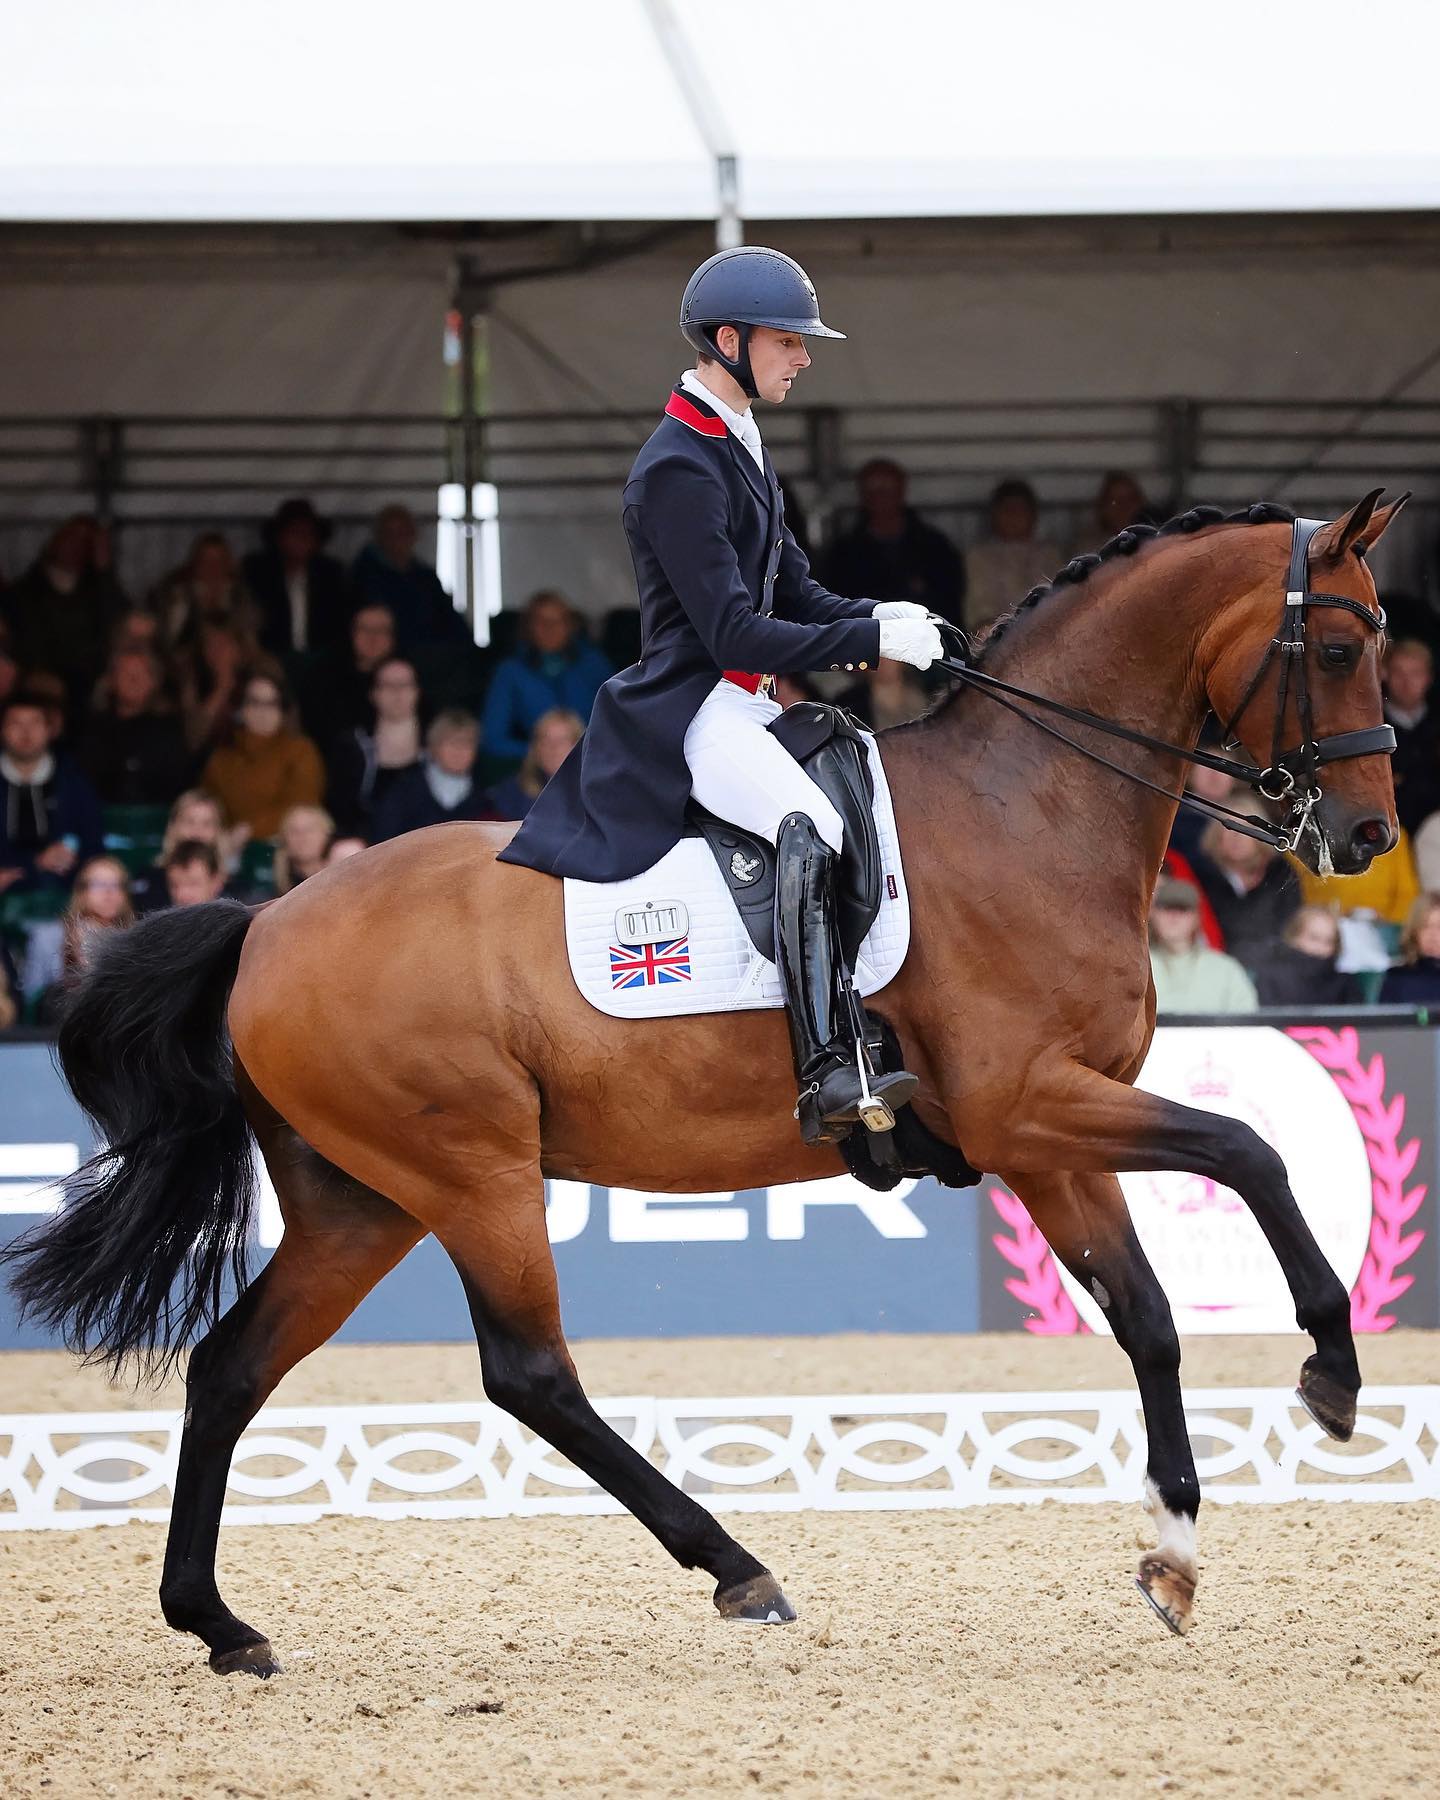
[[1371, 831]]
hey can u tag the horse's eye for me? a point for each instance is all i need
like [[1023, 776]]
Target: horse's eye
[[1336, 656]]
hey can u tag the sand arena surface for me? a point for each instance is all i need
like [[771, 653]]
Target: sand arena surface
[[991, 1652]]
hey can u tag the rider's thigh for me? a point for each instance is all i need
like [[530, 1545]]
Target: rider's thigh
[[743, 774]]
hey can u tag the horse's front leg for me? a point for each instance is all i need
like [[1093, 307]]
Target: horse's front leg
[[1086, 1223], [1073, 1118]]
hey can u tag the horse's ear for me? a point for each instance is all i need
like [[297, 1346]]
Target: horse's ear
[[1359, 529]]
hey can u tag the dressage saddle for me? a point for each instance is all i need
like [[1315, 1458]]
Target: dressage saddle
[[827, 743]]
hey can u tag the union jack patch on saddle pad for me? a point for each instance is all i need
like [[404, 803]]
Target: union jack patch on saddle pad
[[650, 965]]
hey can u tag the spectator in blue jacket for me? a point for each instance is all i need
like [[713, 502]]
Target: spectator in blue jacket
[[556, 665], [388, 572], [50, 817]]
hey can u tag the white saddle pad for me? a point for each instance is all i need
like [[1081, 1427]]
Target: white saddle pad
[[671, 941]]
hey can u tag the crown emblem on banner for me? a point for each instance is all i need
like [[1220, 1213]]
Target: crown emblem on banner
[[1208, 1079]]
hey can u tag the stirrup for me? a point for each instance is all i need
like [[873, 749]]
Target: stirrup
[[875, 1113]]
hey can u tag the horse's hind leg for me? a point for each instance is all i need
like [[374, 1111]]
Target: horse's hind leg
[[340, 1238], [1086, 1222], [502, 1251]]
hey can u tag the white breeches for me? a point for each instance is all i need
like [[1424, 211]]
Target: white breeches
[[744, 775]]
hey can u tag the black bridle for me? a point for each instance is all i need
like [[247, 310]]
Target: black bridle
[[1290, 775]]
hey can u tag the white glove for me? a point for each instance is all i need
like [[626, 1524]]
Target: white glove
[[898, 609], [913, 641]]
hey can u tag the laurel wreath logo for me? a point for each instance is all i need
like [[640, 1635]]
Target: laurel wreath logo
[[1051, 1312]]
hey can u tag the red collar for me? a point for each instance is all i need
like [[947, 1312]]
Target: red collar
[[686, 411]]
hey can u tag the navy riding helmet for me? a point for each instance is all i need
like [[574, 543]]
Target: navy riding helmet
[[744, 287]]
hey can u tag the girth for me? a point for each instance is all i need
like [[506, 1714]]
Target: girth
[[826, 742]]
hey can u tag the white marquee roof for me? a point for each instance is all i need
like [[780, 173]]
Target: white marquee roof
[[162, 110]]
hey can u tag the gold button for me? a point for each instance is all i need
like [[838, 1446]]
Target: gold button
[[864, 665]]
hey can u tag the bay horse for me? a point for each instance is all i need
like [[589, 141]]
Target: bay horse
[[402, 1036]]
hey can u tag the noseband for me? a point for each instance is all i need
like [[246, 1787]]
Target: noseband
[[1290, 775]]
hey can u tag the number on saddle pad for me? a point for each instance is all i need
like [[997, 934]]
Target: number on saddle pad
[[695, 933]]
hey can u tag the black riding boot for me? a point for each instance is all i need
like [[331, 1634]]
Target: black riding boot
[[833, 1096]]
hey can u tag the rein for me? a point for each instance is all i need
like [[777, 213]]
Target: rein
[[1289, 775]]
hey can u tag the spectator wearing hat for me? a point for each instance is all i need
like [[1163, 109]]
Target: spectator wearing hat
[[302, 594], [556, 665], [444, 786], [387, 572], [1002, 568], [1189, 976], [891, 553]]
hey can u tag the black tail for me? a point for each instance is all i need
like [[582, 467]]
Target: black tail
[[136, 1259]]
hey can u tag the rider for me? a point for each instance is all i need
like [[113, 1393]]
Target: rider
[[726, 603]]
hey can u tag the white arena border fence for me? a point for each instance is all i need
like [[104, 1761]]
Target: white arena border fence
[[845, 1453]]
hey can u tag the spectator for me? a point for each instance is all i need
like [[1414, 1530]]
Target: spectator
[[441, 787], [556, 734], [193, 873], [388, 573], [214, 666], [1189, 976], [49, 814], [556, 665], [196, 817], [1300, 970], [60, 611], [1386, 891], [1415, 766], [302, 594], [206, 586], [1206, 784], [890, 694], [1417, 981], [9, 674], [305, 834], [336, 695], [100, 902], [343, 848], [1427, 853], [1253, 889], [268, 768], [134, 750], [1002, 568], [1178, 866], [892, 554], [363, 762], [1119, 501]]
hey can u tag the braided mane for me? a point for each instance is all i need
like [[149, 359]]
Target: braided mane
[[1126, 543]]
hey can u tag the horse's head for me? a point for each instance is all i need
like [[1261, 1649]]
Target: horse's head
[[1318, 671]]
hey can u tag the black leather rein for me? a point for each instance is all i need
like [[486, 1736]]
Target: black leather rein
[[1290, 775]]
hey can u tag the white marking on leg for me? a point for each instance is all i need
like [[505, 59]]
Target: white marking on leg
[[1176, 1531]]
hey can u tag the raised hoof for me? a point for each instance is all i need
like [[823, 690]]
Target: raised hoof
[[250, 1659], [758, 1601], [1330, 1405], [1169, 1590]]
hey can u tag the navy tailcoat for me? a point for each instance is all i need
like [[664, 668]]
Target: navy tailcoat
[[723, 585]]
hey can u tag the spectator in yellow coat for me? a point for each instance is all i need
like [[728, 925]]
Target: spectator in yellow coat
[[265, 769]]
